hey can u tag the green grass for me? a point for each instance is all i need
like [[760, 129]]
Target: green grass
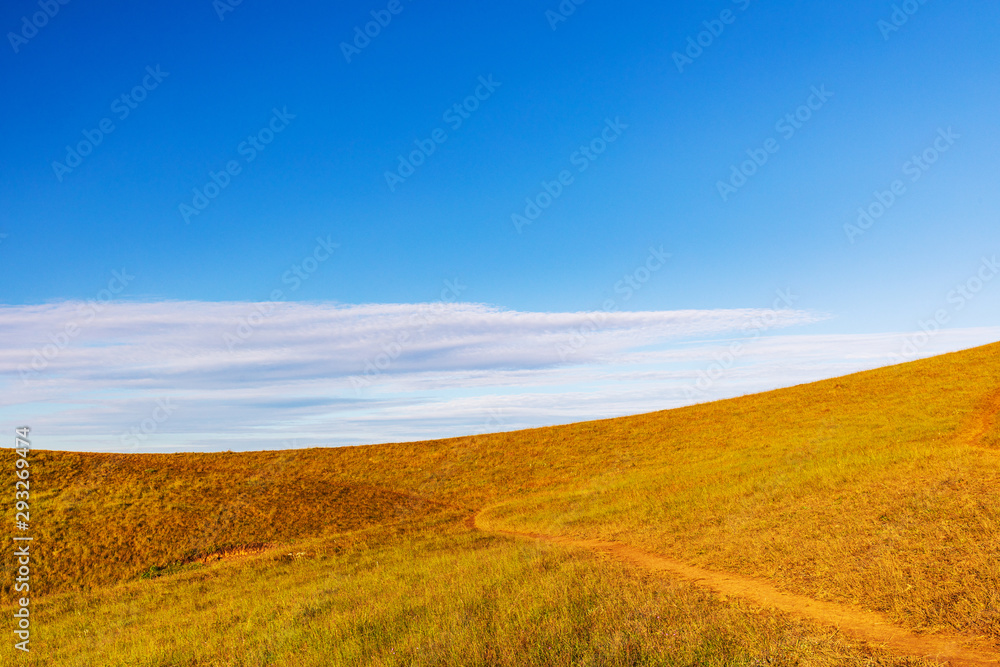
[[433, 593]]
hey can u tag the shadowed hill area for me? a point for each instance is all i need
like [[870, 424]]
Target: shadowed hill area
[[101, 519], [876, 489]]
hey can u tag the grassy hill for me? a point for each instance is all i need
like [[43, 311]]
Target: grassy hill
[[877, 490]]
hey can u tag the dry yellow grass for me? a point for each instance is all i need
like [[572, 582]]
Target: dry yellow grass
[[425, 593]]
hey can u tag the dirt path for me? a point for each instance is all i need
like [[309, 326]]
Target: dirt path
[[982, 422], [871, 627], [957, 650], [867, 626]]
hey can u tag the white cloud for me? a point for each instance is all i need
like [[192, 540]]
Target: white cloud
[[250, 376]]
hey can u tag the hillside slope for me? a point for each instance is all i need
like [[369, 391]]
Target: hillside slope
[[876, 489]]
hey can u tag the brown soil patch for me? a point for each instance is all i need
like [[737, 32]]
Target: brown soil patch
[[234, 553], [982, 423]]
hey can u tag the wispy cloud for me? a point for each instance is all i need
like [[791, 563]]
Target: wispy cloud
[[192, 375]]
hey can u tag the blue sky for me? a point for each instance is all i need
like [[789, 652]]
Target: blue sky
[[640, 136]]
